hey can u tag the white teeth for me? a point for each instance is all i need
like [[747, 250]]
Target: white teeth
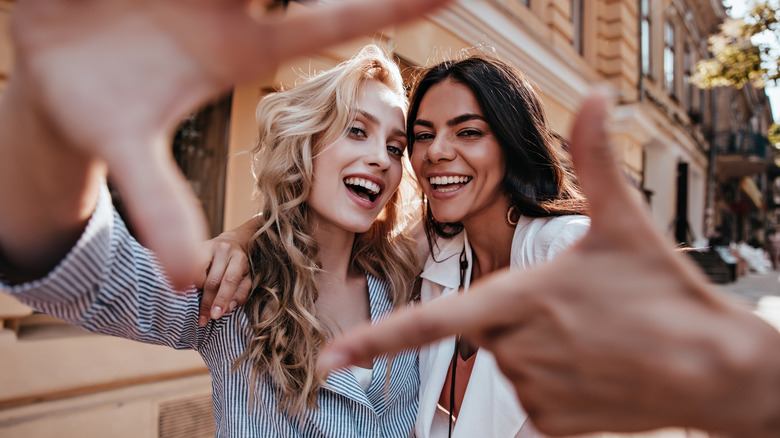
[[445, 190], [368, 185], [444, 180]]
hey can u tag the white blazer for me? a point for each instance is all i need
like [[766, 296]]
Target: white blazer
[[490, 407]]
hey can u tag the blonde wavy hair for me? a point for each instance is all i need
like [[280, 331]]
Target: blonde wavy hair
[[285, 332]]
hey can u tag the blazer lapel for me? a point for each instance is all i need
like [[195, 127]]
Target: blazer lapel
[[490, 405], [434, 363]]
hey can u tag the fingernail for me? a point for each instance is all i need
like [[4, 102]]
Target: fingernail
[[202, 321], [331, 360], [232, 306], [216, 312]]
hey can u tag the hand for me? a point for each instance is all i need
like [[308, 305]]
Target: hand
[[113, 78], [620, 333], [225, 280], [224, 274]]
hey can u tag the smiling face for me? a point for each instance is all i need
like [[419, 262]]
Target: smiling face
[[456, 158], [355, 176]]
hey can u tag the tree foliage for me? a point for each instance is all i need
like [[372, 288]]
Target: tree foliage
[[774, 135], [744, 50]]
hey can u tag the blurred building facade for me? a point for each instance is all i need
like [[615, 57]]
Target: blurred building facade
[[690, 152]]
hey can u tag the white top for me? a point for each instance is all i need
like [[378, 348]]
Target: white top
[[490, 407], [363, 376]]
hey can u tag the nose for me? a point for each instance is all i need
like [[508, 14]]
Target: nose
[[377, 155], [438, 150]]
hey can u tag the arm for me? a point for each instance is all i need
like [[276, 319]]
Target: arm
[[46, 204], [80, 99], [620, 333], [108, 283]]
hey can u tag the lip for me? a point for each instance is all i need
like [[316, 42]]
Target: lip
[[365, 203]]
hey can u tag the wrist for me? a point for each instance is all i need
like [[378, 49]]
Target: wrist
[[47, 190]]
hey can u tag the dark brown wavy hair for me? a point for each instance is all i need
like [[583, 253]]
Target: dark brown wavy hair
[[536, 178]]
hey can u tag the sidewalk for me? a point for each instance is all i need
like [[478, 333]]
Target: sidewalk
[[760, 293]]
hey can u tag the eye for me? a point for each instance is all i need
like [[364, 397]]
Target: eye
[[423, 136], [356, 132], [470, 132], [395, 150]]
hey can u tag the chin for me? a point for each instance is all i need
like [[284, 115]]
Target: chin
[[447, 218], [358, 228]]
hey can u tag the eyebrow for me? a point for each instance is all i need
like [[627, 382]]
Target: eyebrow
[[371, 118], [452, 122], [375, 121]]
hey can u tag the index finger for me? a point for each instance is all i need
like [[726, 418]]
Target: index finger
[[318, 26], [494, 303]]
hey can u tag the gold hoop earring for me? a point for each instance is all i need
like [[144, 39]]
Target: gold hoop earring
[[512, 217]]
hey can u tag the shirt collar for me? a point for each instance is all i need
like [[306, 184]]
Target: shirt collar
[[443, 266]]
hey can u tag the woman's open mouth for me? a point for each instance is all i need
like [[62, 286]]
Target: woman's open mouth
[[445, 184], [363, 188]]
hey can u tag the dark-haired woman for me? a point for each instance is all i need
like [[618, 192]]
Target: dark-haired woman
[[497, 194]]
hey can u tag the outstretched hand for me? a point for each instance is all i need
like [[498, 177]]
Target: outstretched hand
[[113, 78], [620, 333]]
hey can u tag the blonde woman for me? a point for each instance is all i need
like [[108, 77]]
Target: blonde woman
[[328, 164]]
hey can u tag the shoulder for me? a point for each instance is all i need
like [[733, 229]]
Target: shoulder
[[543, 238], [571, 227]]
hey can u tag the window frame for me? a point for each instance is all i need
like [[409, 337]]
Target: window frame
[[670, 69]]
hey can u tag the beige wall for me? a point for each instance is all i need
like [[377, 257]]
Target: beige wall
[[57, 380], [239, 205], [178, 407]]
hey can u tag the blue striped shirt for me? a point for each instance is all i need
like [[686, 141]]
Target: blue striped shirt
[[110, 284]]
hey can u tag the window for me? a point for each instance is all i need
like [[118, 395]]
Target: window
[[645, 36], [200, 149], [577, 24], [669, 57], [688, 65]]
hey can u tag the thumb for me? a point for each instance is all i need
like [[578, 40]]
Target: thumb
[[594, 157], [162, 208], [613, 202]]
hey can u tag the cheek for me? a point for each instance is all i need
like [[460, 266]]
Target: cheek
[[395, 179], [416, 161], [492, 159]]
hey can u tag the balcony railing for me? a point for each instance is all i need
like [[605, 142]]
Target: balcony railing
[[741, 143]]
